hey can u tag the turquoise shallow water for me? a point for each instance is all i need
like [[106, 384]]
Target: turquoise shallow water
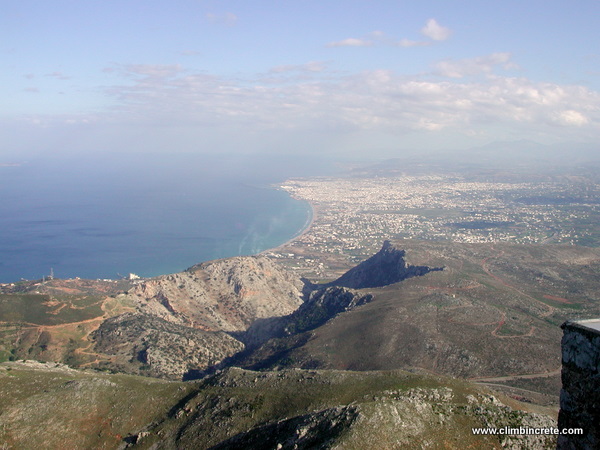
[[103, 218]]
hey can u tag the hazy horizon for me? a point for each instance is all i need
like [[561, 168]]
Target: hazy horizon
[[333, 79]]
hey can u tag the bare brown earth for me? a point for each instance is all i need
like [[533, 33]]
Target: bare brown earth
[[52, 320]]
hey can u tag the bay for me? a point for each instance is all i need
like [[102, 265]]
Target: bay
[[104, 217]]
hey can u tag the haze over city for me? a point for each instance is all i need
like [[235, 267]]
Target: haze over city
[[329, 78]]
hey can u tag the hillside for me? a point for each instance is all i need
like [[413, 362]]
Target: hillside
[[162, 326], [51, 406], [493, 313], [488, 312], [331, 357], [387, 266]]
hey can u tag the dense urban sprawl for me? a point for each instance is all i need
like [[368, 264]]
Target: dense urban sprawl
[[354, 215]]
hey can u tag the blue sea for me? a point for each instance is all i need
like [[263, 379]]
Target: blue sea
[[108, 216]]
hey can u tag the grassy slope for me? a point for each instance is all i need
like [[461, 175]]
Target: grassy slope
[[44, 405], [395, 410], [52, 321], [52, 406]]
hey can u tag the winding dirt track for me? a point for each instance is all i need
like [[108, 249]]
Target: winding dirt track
[[486, 269], [510, 336], [81, 350], [527, 376]]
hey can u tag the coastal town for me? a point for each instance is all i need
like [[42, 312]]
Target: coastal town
[[353, 216]]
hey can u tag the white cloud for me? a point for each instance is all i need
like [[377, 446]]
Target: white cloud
[[410, 43], [435, 31], [572, 117], [376, 101], [432, 30], [312, 66], [351, 42], [377, 34], [163, 107], [474, 66]]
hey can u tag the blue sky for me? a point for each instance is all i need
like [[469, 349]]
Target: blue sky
[[342, 78]]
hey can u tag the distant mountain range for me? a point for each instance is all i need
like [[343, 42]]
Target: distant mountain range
[[522, 159]]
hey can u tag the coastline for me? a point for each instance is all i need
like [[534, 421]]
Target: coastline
[[297, 218], [309, 224]]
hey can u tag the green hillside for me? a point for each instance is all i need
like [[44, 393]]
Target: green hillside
[[51, 406]]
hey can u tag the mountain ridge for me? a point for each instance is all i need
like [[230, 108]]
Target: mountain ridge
[[252, 312], [339, 366], [493, 311], [53, 406]]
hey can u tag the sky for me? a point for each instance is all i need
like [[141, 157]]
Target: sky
[[327, 77]]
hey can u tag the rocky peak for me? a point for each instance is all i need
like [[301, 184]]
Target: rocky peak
[[386, 267]]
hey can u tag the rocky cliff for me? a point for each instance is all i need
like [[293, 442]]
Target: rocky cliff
[[321, 306], [53, 406], [149, 345], [493, 314], [493, 310], [386, 267], [306, 409]]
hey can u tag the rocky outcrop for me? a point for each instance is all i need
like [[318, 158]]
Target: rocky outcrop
[[315, 430], [222, 295], [386, 267], [184, 321], [323, 305], [149, 345], [580, 394], [482, 316], [302, 409]]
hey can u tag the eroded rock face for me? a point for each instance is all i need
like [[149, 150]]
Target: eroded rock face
[[314, 430], [223, 295], [307, 409], [185, 321], [580, 393], [321, 306], [149, 345], [385, 267]]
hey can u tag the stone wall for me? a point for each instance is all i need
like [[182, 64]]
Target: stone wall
[[580, 394]]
